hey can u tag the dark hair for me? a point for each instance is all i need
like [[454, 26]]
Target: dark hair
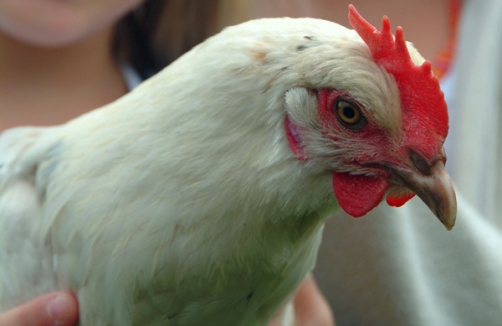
[[159, 31]]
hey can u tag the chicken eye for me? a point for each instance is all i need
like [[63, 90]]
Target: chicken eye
[[349, 114]]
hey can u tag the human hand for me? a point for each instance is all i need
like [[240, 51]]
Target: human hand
[[311, 309], [61, 309], [53, 309]]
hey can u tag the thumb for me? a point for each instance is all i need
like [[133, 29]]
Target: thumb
[[58, 308]]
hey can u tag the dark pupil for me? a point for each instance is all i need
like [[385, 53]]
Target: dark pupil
[[348, 112]]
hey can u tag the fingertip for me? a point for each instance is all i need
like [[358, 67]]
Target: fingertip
[[62, 309], [52, 309]]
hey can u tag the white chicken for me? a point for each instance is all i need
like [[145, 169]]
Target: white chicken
[[199, 198]]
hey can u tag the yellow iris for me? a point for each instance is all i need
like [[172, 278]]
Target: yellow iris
[[348, 112]]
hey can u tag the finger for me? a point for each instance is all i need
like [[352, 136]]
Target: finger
[[310, 306], [58, 308], [274, 323]]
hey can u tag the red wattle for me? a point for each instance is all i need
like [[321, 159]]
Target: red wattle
[[358, 194], [398, 201]]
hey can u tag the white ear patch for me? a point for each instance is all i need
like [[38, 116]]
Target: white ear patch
[[301, 107]]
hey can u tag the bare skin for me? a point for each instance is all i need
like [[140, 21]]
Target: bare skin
[[53, 309], [47, 86]]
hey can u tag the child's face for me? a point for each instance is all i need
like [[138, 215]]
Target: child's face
[[59, 22]]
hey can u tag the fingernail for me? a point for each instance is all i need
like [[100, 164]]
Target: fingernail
[[57, 309]]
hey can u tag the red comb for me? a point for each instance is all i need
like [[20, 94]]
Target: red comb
[[392, 54], [421, 96]]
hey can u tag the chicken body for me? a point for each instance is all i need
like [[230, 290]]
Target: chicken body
[[183, 203]]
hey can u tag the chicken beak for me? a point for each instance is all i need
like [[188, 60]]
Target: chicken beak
[[434, 188]]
